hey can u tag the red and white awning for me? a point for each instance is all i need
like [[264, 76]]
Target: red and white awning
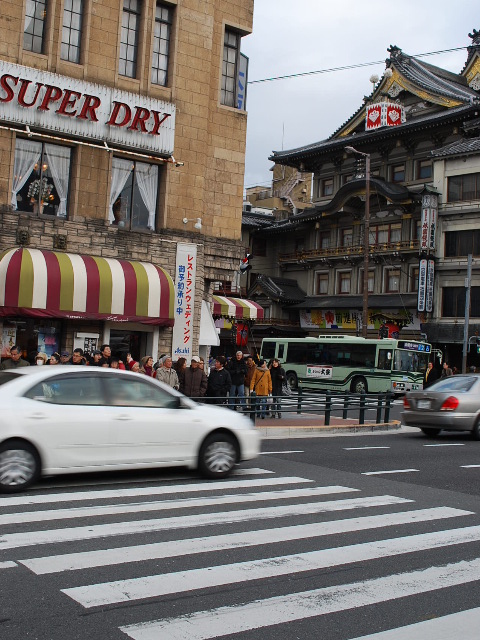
[[237, 308]]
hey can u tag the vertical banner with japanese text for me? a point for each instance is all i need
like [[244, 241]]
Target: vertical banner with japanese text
[[429, 287], [422, 285], [185, 272]]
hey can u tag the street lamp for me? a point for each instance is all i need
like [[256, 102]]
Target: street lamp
[[366, 236]]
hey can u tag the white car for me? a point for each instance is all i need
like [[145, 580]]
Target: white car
[[64, 419]]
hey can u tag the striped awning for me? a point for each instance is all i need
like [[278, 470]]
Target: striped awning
[[236, 308], [51, 284]]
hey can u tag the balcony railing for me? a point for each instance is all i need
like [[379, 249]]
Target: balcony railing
[[305, 255]]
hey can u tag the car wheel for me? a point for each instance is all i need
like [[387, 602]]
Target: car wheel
[[218, 456], [19, 466], [430, 433], [359, 385], [292, 380], [476, 430]]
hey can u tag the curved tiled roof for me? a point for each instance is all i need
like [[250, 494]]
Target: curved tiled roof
[[462, 147], [280, 289]]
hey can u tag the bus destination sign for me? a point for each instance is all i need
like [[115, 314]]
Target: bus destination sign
[[414, 346]]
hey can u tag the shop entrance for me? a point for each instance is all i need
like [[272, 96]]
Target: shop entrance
[[123, 342]]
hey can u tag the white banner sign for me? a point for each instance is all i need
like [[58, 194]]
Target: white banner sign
[[182, 341], [422, 285], [314, 371], [429, 287], [86, 110]]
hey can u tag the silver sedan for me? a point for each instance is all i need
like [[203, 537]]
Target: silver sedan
[[452, 403]]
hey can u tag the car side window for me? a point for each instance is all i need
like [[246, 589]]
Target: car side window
[[135, 391], [68, 390]]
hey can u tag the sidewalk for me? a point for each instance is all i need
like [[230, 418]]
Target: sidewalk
[[308, 424]]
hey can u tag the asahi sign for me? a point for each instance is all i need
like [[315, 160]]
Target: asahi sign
[[83, 109]]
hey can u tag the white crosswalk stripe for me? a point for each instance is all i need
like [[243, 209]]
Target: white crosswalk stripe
[[250, 532]]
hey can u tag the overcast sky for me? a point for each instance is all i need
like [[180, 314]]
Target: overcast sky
[[311, 35]]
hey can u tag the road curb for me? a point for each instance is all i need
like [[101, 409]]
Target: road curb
[[306, 430]]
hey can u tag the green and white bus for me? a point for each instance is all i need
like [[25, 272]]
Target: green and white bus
[[349, 363]]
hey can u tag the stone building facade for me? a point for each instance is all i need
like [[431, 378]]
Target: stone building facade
[[162, 170]]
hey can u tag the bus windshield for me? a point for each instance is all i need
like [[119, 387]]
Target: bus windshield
[[406, 360]]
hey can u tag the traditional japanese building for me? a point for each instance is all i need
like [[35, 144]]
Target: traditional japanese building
[[122, 142], [419, 132]]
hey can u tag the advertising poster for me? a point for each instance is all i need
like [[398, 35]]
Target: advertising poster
[[9, 337], [185, 272]]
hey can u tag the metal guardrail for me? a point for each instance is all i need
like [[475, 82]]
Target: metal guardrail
[[307, 403]]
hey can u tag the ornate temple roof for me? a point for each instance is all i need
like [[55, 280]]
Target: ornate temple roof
[[279, 289], [462, 147]]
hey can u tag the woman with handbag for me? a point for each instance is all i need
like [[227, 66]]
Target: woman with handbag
[[261, 383], [277, 374]]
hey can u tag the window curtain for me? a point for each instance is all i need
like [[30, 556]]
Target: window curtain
[[59, 162], [147, 180], [121, 169], [27, 155]]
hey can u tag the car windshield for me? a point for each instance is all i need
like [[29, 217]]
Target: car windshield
[[6, 376], [405, 360], [454, 383]]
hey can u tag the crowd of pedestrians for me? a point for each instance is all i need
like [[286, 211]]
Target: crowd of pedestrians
[[228, 382]]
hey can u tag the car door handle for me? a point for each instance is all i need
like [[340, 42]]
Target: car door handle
[[123, 416], [38, 416]]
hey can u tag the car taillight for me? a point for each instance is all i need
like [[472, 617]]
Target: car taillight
[[450, 404], [406, 403]]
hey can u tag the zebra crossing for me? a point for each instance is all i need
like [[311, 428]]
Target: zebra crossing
[[259, 549]]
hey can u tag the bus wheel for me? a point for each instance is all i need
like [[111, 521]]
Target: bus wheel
[[292, 380], [359, 385]]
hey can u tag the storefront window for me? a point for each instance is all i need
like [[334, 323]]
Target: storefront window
[[41, 177], [31, 335], [133, 194]]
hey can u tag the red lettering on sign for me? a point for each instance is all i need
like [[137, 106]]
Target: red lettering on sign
[[52, 94], [140, 117], [69, 99], [157, 122], [23, 89], [115, 111], [90, 104], [7, 88]]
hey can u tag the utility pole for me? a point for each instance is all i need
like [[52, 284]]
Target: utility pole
[[468, 281], [366, 237]]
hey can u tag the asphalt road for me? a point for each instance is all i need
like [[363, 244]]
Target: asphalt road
[[339, 538]]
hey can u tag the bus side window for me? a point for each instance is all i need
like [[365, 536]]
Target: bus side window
[[384, 359], [281, 351]]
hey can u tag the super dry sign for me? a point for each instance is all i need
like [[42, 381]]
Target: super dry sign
[[49, 101]]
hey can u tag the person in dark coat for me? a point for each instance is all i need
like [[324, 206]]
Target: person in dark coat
[[431, 375], [193, 381], [219, 382], [237, 370], [277, 374]]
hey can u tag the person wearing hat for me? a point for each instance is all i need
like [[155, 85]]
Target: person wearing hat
[[219, 382], [237, 370], [65, 357], [167, 374], [41, 358], [96, 358], [15, 360], [193, 381]]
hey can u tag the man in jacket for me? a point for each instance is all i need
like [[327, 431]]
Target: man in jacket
[[431, 374], [15, 361], [237, 370], [261, 383], [219, 382], [193, 381], [167, 374]]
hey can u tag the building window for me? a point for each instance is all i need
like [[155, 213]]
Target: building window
[[34, 27], [386, 233], [259, 247], [347, 237], [161, 43], [127, 63], [392, 280], [41, 177], [234, 72], [398, 173], [413, 279], [371, 281], [453, 302], [347, 178], [323, 239], [461, 243], [424, 169], [344, 282], [466, 187], [133, 194], [321, 285], [72, 30], [326, 187], [299, 245]]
